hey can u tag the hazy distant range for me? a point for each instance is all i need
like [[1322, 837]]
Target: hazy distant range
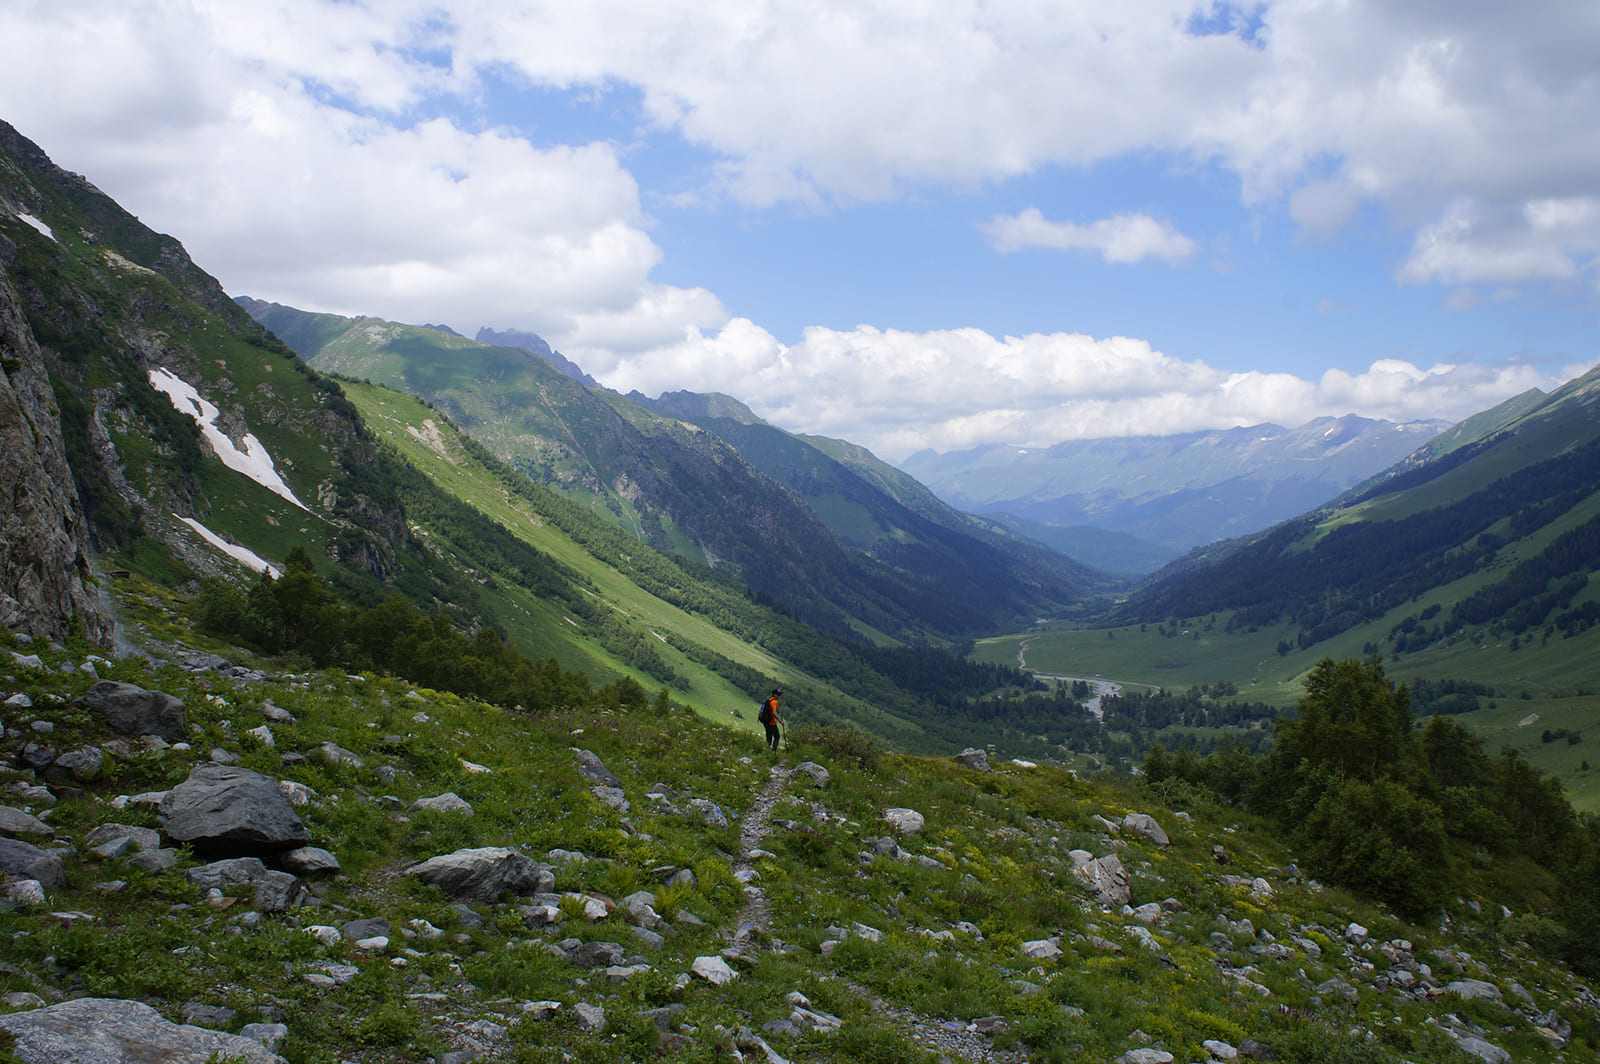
[[1131, 504]]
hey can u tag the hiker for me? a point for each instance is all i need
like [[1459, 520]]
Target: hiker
[[769, 718]]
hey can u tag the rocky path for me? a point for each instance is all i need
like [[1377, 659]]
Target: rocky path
[[756, 914], [950, 1040]]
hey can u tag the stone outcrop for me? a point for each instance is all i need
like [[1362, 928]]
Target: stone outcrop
[[113, 1031], [132, 710], [1105, 876], [46, 584]]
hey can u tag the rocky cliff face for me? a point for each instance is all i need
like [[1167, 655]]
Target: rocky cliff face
[[45, 578]]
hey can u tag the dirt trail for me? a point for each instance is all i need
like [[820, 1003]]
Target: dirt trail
[[756, 915]]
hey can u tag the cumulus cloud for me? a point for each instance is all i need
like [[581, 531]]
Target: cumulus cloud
[[1476, 243], [898, 392], [1122, 238], [300, 150], [283, 144]]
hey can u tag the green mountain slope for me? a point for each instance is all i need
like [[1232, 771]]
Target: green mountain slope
[[412, 508], [845, 557], [1501, 533], [876, 509]]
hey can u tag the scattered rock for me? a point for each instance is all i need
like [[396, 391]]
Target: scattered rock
[[17, 822], [448, 802], [1485, 1051], [1145, 1056], [710, 812], [309, 860], [713, 970], [613, 797], [1145, 824], [1043, 949], [974, 758], [1106, 877], [818, 775], [591, 768], [18, 858], [484, 873], [142, 838], [334, 754], [905, 821], [1473, 990]]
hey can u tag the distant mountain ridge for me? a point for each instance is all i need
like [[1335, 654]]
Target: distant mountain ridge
[[1495, 534], [1177, 491], [702, 477]]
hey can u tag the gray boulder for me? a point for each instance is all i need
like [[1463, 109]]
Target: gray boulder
[[20, 859], [484, 873], [1474, 990], [17, 822], [111, 1031], [818, 774], [83, 765], [132, 710], [221, 875], [143, 838], [974, 758], [591, 768], [309, 860], [1145, 824], [1484, 1051], [709, 811], [225, 808], [276, 892], [1107, 878], [448, 802]]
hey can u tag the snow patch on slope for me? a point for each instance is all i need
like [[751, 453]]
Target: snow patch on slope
[[37, 224], [254, 461], [241, 554]]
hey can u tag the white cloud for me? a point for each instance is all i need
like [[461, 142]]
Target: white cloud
[[293, 146], [274, 139], [899, 392], [1474, 243], [1122, 238]]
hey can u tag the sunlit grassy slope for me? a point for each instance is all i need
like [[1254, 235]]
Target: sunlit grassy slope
[[433, 446]]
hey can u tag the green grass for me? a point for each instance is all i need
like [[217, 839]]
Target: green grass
[[1000, 841]]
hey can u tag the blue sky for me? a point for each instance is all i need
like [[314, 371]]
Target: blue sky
[[906, 225]]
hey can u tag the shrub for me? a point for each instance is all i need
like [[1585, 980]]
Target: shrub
[[841, 743]]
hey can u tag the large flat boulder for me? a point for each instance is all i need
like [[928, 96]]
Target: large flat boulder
[[484, 873], [228, 809], [132, 710], [113, 1031]]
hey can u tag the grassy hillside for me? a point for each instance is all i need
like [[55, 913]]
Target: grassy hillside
[[786, 518], [962, 937]]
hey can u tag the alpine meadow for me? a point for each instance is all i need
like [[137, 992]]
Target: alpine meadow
[[371, 692]]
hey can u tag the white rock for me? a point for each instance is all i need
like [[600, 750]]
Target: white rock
[[905, 821], [713, 970], [1043, 949], [448, 802]]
